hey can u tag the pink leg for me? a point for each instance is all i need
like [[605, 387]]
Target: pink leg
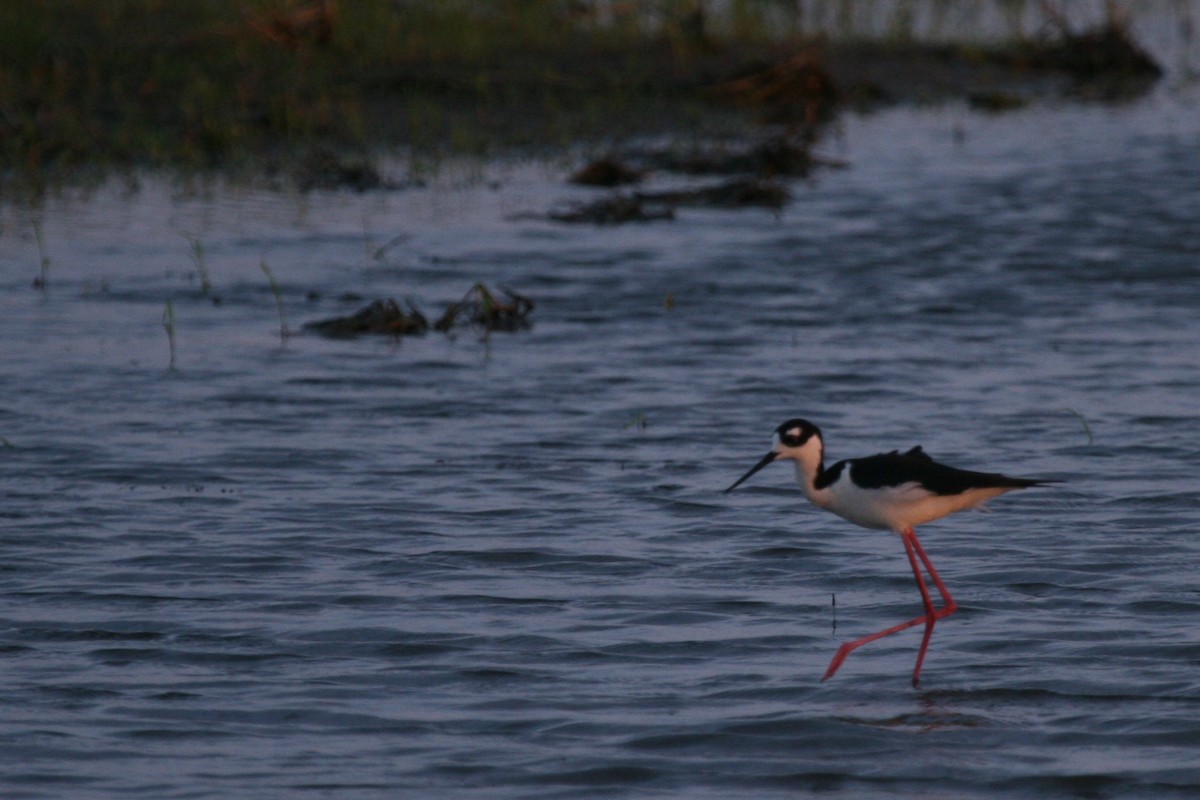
[[913, 549], [932, 615]]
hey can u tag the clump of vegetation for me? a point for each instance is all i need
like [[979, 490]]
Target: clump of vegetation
[[42, 281], [381, 316], [277, 292], [201, 267], [481, 308], [797, 91], [168, 322], [1102, 60], [773, 157]]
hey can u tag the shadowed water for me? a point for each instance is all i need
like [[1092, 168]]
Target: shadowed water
[[448, 567]]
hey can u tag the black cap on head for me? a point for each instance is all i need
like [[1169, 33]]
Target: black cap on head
[[796, 432]]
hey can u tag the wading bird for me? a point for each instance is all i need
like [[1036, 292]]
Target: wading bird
[[891, 491]]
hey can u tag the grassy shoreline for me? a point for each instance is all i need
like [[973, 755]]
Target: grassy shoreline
[[281, 87]]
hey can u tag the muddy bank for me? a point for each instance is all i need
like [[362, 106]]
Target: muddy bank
[[258, 90]]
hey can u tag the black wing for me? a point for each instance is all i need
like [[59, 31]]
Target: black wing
[[896, 469]]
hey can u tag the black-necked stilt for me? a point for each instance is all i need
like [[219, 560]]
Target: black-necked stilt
[[891, 491]]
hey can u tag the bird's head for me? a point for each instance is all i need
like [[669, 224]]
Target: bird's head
[[797, 439]]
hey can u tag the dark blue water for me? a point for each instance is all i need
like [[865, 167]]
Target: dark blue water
[[445, 566]]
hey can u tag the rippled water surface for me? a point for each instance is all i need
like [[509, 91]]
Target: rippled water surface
[[505, 569]]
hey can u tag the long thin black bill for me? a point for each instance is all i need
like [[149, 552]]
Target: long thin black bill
[[767, 459]]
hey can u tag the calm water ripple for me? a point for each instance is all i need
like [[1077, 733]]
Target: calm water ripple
[[449, 567]]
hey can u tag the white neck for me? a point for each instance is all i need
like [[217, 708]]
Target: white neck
[[809, 459]]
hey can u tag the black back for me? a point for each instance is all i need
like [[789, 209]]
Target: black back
[[895, 469]]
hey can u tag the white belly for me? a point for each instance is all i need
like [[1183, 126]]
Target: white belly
[[898, 507]]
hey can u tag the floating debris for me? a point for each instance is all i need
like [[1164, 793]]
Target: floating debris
[[325, 169], [778, 156], [661, 205], [381, 316], [757, 164], [729, 194], [606, 172], [996, 101], [480, 308], [614, 210]]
